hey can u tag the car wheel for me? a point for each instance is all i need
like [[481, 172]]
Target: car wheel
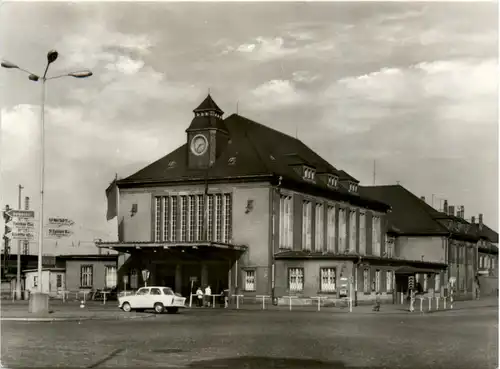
[[126, 307], [159, 308], [172, 310]]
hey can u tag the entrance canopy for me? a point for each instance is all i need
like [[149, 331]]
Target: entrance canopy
[[413, 270], [183, 250]]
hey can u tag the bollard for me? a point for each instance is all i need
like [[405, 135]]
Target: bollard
[[263, 301], [421, 303], [82, 304], [430, 303], [319, 301], [402, 298], [104, 301], [350, 305], [437, 303], [444, 302], [451, 302]]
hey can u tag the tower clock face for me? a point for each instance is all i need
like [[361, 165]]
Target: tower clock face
[[199, 145]]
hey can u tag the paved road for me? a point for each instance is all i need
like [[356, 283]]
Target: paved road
[[256, 339]]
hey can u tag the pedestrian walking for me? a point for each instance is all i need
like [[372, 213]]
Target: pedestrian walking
[[199, 295], [376, 307], [412, 300], [478, 287], [208, 295]]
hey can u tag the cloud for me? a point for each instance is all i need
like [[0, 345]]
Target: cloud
[[263, 49], [304, 76], [275, 94]]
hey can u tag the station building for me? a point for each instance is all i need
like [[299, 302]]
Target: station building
[[242, 206]]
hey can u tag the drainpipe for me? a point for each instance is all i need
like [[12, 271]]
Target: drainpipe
[[275, 190], [356, 270]]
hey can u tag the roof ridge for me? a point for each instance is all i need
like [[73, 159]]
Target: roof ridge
[[263, 125], [420, 203]]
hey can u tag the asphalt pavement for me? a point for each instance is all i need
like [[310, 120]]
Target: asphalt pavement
[[237, 339]]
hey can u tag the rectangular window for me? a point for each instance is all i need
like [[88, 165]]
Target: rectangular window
[[249, 280], [59, 281], [218, 217], [166, 218], [192, 218], [331, 229], [184, 218], [319, 229], [366, 280], [110, 276], [285, 226], [388, 280], [376, 241], [352, 230], [86, 276], [377, 280], [342, 230], [228, 217], [306, 225], [199, 211], [362, 233], [173, 216], [295, 279], [210, 218], [157, 219], [134, 279], [437, 282], [328, 280]]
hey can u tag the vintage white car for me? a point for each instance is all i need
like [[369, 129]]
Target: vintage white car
[[154, 297]]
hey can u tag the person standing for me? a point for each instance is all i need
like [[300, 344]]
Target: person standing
[[199, 295], [208, 295], [478, 287]]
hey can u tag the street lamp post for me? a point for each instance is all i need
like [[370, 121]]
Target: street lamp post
[[39, 303]]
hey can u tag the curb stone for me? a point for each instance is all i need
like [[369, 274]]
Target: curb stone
[[73, 319]]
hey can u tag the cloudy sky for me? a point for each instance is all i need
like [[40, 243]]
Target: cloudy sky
[[410, 85]]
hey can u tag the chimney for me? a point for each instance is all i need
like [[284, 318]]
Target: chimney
[[480, 221], [422, 198], [451, 210], [445, 207], [462, 211], [473, 219]]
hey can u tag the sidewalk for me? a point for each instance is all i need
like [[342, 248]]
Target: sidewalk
[[362, 309], [67, 311]]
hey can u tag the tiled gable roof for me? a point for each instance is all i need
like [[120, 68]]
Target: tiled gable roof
[[253, 150], [487, 233], [412, 215]]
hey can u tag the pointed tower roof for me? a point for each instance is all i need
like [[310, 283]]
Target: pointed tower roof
[[208, 105]]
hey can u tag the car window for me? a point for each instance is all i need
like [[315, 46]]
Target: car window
[[155, 291], [168, 291], [143, 291]]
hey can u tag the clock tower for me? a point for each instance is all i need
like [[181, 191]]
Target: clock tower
[[207, 135]]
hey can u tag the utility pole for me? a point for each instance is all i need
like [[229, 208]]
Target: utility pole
[[374, 171], [18, 272]]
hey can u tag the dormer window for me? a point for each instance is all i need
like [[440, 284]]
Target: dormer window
[[332, 181], [353, 187], [309, 173]]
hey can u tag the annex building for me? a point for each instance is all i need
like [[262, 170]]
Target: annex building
[[242, 206]]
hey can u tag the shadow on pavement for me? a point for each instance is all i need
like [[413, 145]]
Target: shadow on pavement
[[258, 362]]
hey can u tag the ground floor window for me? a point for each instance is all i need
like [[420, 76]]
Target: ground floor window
[[86, 272], [249, 280], [328, 280], [110, 276], [295, 279], [366, 280], [59, 280], [388, 280], [377, 280]]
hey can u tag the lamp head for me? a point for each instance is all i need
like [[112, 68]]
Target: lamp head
[[81, 74], [33, 77], [9, 65], [52, 56]]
